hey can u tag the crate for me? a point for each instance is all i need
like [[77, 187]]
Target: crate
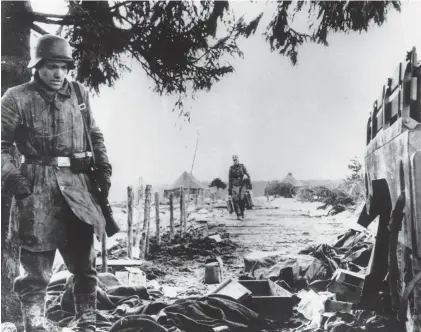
[[268, 299], [231, 288], [347, 285]]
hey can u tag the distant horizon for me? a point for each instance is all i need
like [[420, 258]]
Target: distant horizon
[[119, 193]]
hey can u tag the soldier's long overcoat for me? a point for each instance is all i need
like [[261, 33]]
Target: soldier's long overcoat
[[46, 123]]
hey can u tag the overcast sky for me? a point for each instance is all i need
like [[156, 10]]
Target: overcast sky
[[309, 119]]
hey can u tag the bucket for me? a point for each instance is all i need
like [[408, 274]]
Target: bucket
[[249, 199], [213, 271]]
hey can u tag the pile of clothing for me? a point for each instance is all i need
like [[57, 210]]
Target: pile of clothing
[[135, 308], [351, 252]]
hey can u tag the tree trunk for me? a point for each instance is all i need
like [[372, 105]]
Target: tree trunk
[[15, 54]]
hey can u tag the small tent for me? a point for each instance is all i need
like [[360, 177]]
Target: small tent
[[290, 179], [188, 182]]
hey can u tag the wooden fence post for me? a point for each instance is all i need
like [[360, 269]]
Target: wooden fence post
[[181, 211], [146, 221], [185, 205], [104, 253], [138, 228], [171, 217], [140, 191], [130, 199], [158, 231]]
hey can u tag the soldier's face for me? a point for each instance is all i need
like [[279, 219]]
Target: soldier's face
[[52, 73], [235, 160]]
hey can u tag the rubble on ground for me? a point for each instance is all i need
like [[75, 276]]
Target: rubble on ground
[[314, 290]]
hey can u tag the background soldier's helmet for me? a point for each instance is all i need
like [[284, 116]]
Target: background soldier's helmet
[[51, 47]]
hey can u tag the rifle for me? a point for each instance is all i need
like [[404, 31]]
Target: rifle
[[111, 226]]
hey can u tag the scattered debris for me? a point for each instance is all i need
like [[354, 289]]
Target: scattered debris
[[233, 289], [269, 299], [215, 237], [347, 285], [213, 271]]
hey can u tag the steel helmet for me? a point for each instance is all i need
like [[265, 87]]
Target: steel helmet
[[51, 47]]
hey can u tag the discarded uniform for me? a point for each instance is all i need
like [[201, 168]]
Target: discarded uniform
[[237, 186], [52, 207]]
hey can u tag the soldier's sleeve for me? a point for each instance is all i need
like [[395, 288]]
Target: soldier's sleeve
[[245, 171], [230, 179], [98, 145], [13, 181]]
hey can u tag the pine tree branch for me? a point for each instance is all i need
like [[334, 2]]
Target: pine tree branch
[[38, 29], [53, 15], [120, 4], [64, 19]]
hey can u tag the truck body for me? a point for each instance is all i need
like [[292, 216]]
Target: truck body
[[393, 194]]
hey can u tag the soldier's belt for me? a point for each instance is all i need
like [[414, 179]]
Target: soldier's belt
[[53, 161]]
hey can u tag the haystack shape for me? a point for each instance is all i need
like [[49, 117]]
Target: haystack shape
[[187, 181], [290, 180]]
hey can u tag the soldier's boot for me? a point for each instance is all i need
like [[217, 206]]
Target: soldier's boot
[[85, 307], [242, 208], [33, 316]]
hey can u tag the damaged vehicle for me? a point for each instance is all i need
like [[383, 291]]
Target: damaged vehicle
[[393, 191]]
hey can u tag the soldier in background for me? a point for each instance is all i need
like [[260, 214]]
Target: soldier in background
[[52, 207], [237, 186]]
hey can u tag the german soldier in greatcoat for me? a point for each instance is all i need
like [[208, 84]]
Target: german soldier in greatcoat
[[237, 186], [52, 207]]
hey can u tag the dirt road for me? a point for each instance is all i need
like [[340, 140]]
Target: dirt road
[[286, 230], [283, 226]]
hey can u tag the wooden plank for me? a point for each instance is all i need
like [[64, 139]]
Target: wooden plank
[[158, 231], [182, 206], [145, 232], [379, 119], [171, 217], [396, 78], [416, 194], [130, 199], [120, 262]]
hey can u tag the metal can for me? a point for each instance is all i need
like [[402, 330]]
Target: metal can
[[230, 205], [249, 199]]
